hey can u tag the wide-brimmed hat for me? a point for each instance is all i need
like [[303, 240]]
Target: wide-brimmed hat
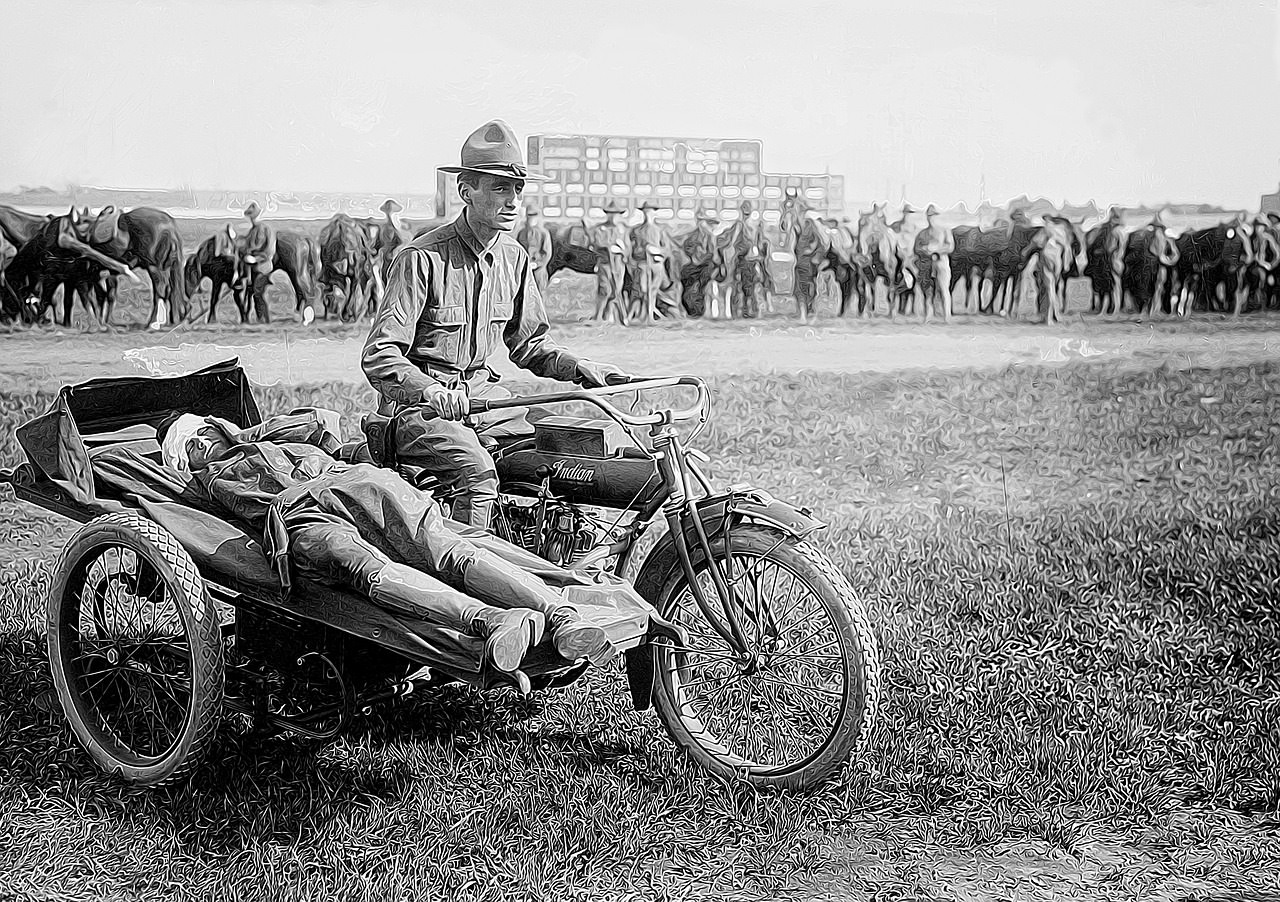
[[390, 206], [614, 206], [649, 205], [1273, 216], [907, 208], [492, 149], [253, 209], [930, 210]]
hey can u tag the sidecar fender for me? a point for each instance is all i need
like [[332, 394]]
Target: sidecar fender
[[740, 504]]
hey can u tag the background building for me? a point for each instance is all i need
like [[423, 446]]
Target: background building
[[1271, 202], [680, 175]]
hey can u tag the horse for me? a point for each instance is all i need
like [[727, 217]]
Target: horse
[[346, 267]]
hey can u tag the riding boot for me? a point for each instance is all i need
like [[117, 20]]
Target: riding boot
[[508, 634], [575, 639], [502, 583]]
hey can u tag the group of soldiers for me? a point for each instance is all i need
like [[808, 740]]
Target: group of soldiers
[[923, 265], [636, 266]]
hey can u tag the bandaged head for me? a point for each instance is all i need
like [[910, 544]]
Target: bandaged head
[[190, 434]]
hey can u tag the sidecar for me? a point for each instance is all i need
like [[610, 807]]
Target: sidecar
[[164, 613]]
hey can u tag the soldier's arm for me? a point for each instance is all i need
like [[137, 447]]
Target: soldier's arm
[[385, 359], [528, 336]]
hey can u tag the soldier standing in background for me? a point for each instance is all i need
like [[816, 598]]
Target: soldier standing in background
[[389, 238], [612, 245], [1264, 258], [257, 257], [751, 256], [933, 247], [535, 238], [700, 264], [650, 246]]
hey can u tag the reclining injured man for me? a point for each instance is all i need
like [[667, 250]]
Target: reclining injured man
[[366, 528]]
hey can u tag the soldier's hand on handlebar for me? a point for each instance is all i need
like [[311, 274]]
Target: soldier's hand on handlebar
[[598, 375], [449, 403], [619, 378]]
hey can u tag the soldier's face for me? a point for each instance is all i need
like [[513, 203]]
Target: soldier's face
[[495, 202]]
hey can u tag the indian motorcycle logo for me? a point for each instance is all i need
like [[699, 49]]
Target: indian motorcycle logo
[[571, 472]]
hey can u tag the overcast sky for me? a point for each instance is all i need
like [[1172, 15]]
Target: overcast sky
[[1121, 101]]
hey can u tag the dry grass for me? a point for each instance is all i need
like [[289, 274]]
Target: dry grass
[[1074, 576]]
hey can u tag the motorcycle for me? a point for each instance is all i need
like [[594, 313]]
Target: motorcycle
[[779, 683]]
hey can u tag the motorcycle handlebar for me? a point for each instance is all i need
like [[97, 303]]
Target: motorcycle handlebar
[[596, 397]]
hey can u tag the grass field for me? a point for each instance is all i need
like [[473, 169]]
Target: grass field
[[1074, 575]]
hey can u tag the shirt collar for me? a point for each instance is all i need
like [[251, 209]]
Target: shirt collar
[[469, 238]]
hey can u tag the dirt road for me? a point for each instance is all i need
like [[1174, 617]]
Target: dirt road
[[291, 354]]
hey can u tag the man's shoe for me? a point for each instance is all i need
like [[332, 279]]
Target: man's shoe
[[574, 638], [508, 635]]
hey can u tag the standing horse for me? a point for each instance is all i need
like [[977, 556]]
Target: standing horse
[[58, 255], [298, 257], [346, 267], [216, 260]]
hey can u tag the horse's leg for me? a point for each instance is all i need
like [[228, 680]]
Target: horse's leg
[[215, 292]]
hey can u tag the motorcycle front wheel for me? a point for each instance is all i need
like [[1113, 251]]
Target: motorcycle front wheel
[[801, 699]]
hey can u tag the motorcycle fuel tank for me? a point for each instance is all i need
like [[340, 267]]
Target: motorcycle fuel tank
[[622, 481]]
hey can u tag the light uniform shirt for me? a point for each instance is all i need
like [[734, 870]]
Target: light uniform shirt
[[449, 303]]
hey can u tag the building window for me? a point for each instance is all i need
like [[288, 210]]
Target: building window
[[773, 192], [750, 192], [573, 189], [551, 211], [729, 215], [729, 191], [684, 214], [551, 188], [593, 164], [709, 191], [597, 189], [665, 213], [687, 190], [666, 190], [617, 165], [815, 194], [621, 189], [771, 215], [593, 152], [574, 212], [644, 190]]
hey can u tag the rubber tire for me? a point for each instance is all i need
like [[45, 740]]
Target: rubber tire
[[200, 620], [859, 651]]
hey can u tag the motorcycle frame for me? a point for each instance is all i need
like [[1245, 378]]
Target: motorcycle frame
[[680, 508]]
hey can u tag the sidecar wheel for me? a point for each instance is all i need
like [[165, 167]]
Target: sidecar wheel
[[135, 647], [791, 713]]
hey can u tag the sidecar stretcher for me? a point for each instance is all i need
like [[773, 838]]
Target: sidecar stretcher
[[86, 458]]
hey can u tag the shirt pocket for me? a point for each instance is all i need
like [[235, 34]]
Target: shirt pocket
[[443, 331]]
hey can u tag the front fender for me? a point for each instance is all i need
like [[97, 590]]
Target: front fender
[[740, 504]]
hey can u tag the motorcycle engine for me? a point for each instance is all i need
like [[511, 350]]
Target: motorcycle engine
[[550, 528]]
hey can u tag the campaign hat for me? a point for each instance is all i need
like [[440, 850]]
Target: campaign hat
[[492, 149]]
